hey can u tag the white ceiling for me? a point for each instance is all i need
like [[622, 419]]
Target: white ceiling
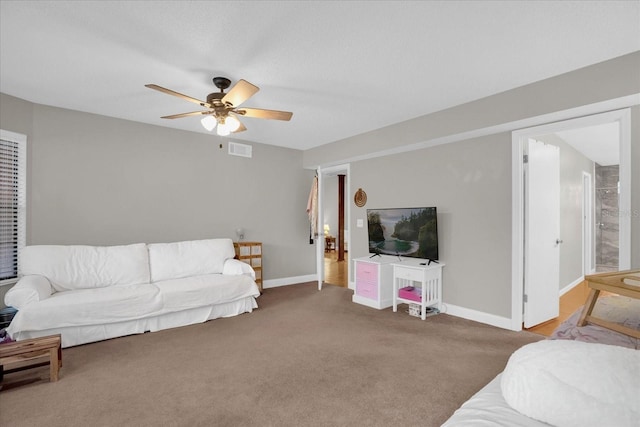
[[343, 68], [599, 143]]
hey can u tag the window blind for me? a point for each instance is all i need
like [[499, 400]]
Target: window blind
[[12, 203]]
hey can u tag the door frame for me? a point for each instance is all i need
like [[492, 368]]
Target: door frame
[[588, 224], [322, 174], [518, 140]]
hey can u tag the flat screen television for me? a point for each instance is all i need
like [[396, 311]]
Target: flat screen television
[[409, 232]]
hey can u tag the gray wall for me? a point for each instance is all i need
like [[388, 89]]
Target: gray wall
[[470, 184], [103, 181], [475, 233], [572, 164]]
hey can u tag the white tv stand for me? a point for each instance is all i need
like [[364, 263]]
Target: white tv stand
[[427, 278]]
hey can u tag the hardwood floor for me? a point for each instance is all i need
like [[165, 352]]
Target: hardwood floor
[[336, 272], [569, 303]]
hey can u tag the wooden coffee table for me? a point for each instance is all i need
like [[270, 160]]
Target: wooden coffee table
[[32, 353], [626, 283]]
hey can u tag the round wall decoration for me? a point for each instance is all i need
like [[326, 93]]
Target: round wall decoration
[[360, 199]]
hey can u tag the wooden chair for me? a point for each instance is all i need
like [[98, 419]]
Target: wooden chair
[[329, 243]]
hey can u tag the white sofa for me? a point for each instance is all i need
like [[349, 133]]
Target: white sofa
[[92, 293]]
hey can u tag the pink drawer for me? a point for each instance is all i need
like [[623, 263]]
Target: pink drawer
[[367, 289], [367, 280], [367, 272]]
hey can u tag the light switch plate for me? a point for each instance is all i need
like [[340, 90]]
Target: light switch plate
[[360, 223]]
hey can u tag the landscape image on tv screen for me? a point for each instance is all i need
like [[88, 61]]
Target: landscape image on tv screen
[[411, 232]]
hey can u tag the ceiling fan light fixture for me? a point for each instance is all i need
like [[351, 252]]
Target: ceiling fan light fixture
[[209, 122], [223, 129], [232, 123], [221, 104], [227, 124]]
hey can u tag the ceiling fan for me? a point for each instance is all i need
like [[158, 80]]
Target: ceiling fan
[[223, 108]]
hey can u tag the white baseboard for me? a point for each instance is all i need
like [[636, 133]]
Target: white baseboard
[[571, 285], [492, 319], [453, 310], [477, 316], [274, 283]]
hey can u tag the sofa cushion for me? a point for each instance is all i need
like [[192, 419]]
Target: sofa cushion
[[85, 267], [190, 258], [199, 291], [91, 307]]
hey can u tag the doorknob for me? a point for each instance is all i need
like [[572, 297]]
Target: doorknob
[[558, 241]]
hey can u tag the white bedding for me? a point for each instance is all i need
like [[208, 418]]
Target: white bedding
[[487, 408], [559, 383], [574, 384]]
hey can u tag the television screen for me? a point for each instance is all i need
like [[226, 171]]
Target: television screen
[[410, 232]]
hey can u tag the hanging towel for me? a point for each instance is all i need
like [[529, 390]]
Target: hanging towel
[[312, 210]]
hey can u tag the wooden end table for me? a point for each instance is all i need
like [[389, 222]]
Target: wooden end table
[[32, 353]]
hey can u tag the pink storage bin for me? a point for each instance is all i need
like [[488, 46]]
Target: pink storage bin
[[410, 293]]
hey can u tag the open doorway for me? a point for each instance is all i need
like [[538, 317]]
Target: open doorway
[[333, 225], [601, 144], [573, 230], [336, 246]]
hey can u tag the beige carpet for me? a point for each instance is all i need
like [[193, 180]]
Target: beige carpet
[[304, 358]]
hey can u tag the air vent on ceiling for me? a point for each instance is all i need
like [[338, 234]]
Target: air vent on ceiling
[[237, 149]]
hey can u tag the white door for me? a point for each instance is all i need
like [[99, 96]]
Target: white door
[[542, 234]]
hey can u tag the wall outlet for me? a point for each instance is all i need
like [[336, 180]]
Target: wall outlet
[[360, 223]]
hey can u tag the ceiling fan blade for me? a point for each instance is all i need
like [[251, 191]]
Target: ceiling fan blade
[[240, 92], [193, 113], [265, 114], [178, 94], [241, 128]]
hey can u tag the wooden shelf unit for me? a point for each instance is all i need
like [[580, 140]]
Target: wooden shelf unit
[[251, 253]]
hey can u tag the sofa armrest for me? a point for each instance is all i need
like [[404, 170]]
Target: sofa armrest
[[234, 267], [29, 289]]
